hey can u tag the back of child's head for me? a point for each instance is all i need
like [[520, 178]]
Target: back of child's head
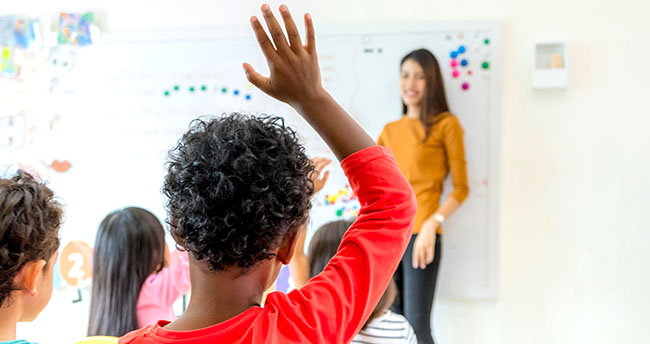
[[30, 218], [129, 246], [323, 247], [238, 187]]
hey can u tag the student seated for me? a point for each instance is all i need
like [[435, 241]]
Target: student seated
[[30, 218], [383, 326], [239, 189], [135, 282]]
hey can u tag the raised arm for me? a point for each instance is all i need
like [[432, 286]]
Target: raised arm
[[295, 80], [333, 306]]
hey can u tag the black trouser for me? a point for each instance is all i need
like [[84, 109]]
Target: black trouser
[[415, 291]]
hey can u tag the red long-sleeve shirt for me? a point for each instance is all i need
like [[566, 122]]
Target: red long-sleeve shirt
[[333, 306]]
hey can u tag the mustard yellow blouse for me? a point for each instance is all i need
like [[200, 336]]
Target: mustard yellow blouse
[[426, 164]]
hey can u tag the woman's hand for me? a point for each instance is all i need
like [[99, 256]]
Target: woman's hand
[[319, 177], [424, 245], [295, 75]]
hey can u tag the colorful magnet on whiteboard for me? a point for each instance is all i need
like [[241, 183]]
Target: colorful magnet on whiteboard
[[176, 88], [461, 49], [224, 90], [248, 97], [204, 88], [464, 62], [249, 86], [166, 93], [466, 86], [485, 65], [469, 72], [235, 92], [486, 41], [192, 88], [455, 73], [453, 54], [454, 63]]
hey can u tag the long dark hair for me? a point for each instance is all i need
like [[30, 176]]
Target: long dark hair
[[129, 247], [323, 247], [435, 100]]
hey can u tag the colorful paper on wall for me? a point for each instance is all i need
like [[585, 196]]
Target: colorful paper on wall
[[19, 32], [76, 29], [7, 67]]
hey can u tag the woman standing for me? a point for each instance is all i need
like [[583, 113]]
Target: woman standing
[[428, 144]]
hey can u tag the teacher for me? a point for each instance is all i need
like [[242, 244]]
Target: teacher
[[428, 144]]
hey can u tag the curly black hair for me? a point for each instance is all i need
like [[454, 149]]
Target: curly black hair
[[237, 187], [30, 218]]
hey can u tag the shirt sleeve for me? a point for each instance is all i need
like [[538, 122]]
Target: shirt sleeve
[[333, 306], [455, 148], [410, 336]]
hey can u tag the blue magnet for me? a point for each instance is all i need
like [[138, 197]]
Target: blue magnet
[[453, 54], [464, 62], [461, 49]]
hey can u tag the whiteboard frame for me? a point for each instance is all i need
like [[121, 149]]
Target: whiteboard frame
[[490, 292]]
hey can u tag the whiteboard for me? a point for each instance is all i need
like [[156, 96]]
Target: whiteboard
[[107, 114]]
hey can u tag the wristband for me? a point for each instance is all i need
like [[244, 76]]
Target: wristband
[[439, 218]]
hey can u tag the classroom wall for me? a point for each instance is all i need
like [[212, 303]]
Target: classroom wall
[[574, 262]]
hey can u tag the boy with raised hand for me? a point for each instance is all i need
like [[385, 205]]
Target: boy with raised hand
[[239, 189]]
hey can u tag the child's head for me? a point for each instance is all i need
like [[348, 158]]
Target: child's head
[[323, 247], [238, 186], [30, 218], [325, 243], [129, 246]]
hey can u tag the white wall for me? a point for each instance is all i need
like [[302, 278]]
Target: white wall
[[574, 238]]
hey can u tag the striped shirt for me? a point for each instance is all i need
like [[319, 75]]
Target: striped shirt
[[389, 328]]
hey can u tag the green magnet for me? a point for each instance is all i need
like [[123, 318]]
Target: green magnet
[[166, 93], [486, 41], [191, 88], [203, 88], [485, 65], [224, 90], [176, 88]]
